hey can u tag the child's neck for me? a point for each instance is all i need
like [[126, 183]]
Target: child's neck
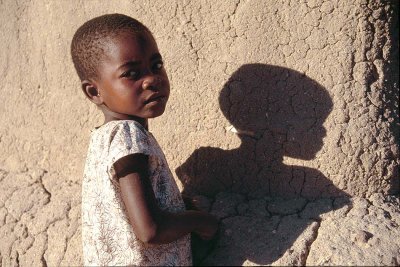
[[114, 116]]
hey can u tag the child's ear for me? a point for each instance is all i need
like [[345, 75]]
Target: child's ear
[[91, 92]]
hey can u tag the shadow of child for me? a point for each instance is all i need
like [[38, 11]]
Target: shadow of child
[[276, 112]]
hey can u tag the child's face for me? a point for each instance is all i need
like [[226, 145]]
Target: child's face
[[131, 80]]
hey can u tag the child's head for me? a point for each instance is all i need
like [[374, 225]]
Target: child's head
[[120, 67]]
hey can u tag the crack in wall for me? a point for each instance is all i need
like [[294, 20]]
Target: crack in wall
[[304, 256], [40, 182]]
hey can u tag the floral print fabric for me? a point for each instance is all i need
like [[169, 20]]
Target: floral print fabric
[[107, 236]]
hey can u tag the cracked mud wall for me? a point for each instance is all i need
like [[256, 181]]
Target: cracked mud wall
[[288, 98]]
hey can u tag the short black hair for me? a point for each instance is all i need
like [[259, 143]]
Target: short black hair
[[87, 46]]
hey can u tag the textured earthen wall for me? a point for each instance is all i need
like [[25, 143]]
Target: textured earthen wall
[[288, 98]]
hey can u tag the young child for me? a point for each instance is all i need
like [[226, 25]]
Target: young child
[[132, 210]]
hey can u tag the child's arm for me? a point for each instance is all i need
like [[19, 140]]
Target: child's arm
[[149, 222]]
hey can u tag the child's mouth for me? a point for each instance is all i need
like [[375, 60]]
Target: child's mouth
[[155, 99]]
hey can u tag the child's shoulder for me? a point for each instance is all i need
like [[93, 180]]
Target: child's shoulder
[[113, 128], [118, 132], [121, 136]]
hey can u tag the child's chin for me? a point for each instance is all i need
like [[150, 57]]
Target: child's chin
[[156, 113]]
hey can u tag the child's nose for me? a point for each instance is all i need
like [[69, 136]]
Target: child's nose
[[151, 82]]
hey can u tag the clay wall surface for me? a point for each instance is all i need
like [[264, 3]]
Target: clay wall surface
[[279, 98]]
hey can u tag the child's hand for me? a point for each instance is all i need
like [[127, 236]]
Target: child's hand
[[209, 228]]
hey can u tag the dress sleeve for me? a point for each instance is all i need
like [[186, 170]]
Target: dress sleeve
[[126, 138]]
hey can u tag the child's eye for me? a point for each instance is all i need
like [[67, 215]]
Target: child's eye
[[131, 74], [158, 65]]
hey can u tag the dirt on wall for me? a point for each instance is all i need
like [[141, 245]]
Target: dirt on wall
[[283, 118]]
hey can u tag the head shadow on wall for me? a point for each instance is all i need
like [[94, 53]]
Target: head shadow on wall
[[276, 112]]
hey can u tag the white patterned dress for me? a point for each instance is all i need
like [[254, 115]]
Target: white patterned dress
[[107, 236]]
